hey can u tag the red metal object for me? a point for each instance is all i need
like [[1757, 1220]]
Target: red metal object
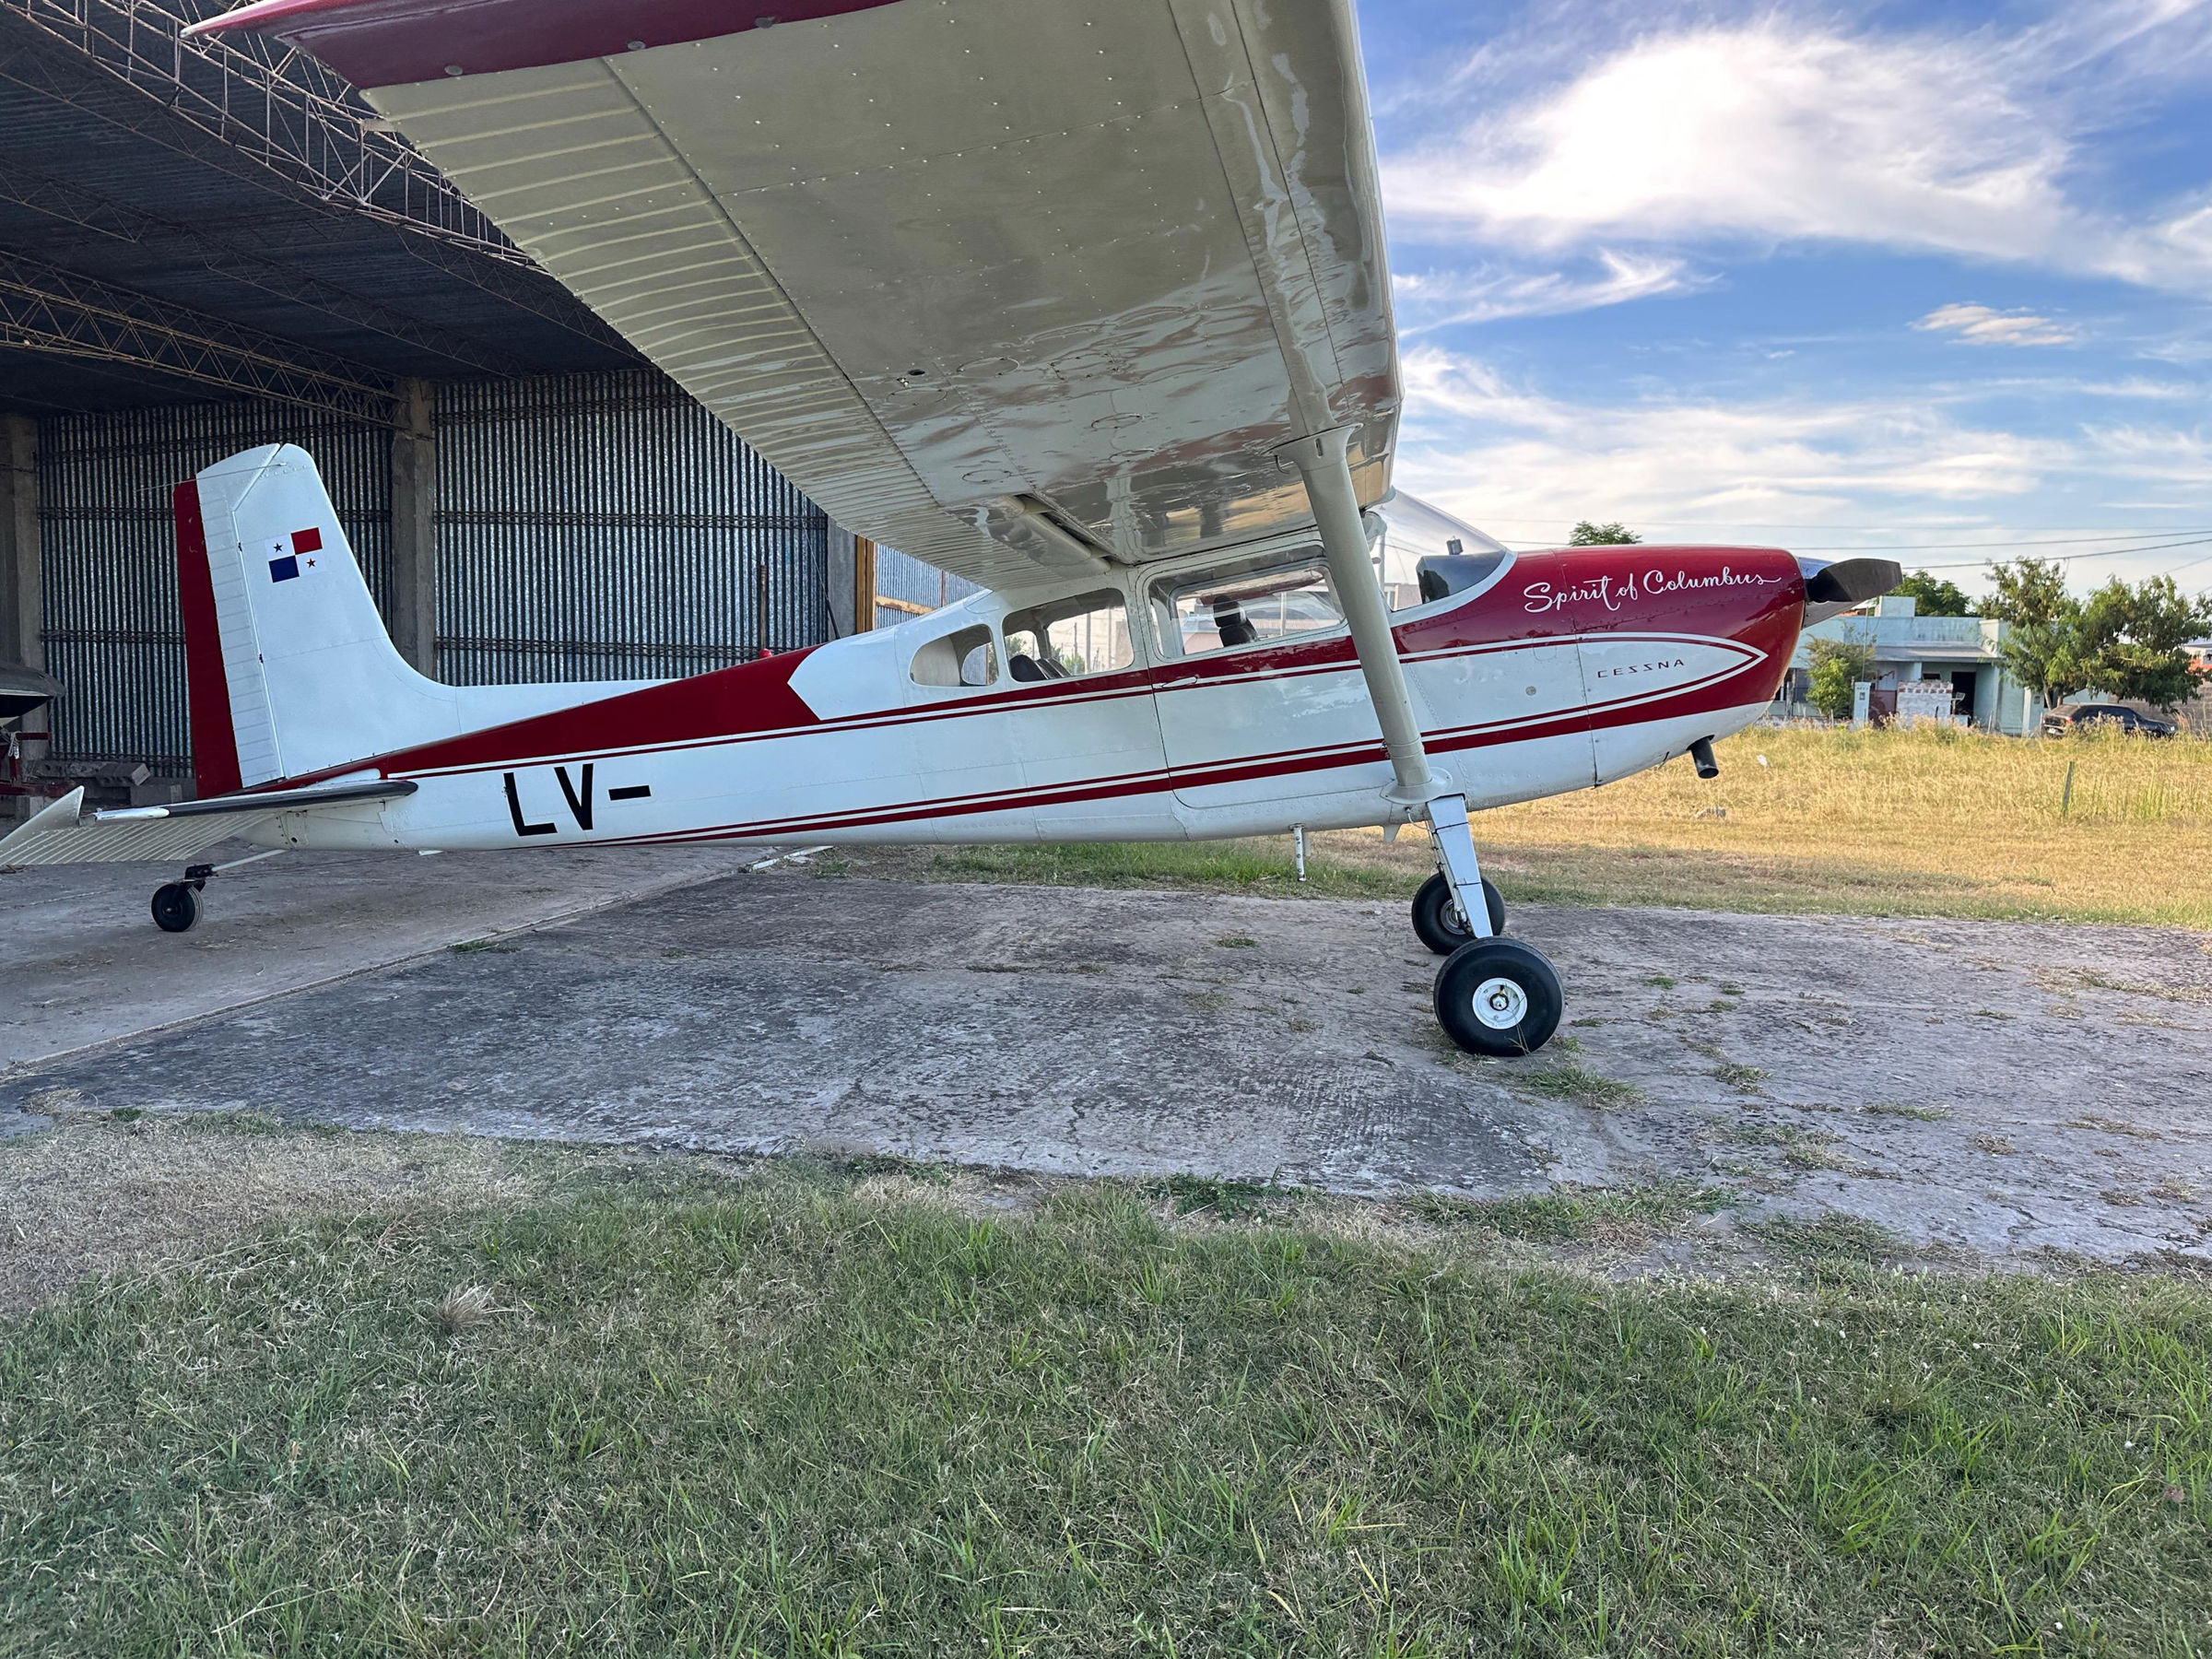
[[396, 42], [206, 688]]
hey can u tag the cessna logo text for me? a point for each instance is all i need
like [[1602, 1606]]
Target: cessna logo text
[[1538, 598], [1639, 668]]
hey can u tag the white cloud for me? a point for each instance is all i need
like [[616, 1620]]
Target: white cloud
[[1985, 327], [2161, 455], [1778, 131], [1487, 291], [1480, 445]]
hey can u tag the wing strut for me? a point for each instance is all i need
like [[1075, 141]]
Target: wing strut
[[1323, 461]]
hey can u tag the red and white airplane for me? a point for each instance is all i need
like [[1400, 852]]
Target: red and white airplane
[[1083, 299]]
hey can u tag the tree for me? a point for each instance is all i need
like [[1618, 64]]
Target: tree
[[1934, 597], [2131, 639], [1587, 535], [2125, 641], [2042, 647], [1838, 665]]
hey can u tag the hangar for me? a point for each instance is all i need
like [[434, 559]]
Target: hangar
[[207, 245]]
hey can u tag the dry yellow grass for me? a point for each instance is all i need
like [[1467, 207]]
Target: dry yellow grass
[[1928, 823], [1925, 823]]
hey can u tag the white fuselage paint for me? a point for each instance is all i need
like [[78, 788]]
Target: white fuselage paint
[[893, 762]]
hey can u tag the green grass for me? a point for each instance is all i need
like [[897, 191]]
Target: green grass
[[1829, 1239], [1571, 1080], [1578, 1215], [777, 1418], [1736, 1075], [1261, 866]]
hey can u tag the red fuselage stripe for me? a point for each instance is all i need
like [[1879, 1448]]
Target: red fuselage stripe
[[1057, 695], [1759, 609], [215, 769], [1285, 763]]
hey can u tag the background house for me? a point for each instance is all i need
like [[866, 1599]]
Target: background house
[[1910, 648]]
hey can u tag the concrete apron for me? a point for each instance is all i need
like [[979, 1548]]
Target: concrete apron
[[1999, 1086], [82, 963]]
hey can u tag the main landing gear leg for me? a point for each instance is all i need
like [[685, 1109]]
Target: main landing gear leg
[[1441, 916], [1493, 995], [177, 903]]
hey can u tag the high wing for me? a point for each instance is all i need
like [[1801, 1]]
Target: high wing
[[1010, 285], [66, 833]]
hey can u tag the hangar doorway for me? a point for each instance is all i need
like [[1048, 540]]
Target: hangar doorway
[[585, 526]]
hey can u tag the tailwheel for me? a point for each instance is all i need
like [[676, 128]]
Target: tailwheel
[[177, 907], [1437, 919], [1498, 996]]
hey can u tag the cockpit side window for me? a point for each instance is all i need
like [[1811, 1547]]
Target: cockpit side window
[[1087, 633], [967, 658], [1255, 601]]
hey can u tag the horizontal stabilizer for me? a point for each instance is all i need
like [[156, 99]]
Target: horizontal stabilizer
[[64, 833]]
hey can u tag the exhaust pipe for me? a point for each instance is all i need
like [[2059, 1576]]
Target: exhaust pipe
[[1700, 755]]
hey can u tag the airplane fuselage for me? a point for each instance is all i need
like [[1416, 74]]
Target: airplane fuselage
[[1563, 670]]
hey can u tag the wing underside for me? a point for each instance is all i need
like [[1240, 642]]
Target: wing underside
[[1003, 283]]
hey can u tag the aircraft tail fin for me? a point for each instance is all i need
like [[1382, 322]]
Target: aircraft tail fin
[[289, 667]]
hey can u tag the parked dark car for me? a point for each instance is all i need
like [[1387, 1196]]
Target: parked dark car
[[2108, 716]]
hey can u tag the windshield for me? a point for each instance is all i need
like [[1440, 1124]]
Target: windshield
[[1412, 531]]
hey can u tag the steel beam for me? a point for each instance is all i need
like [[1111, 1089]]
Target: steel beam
[[235, 258], [413, 605], [22, 607], [45, 309], [283, 111], [45, 49]]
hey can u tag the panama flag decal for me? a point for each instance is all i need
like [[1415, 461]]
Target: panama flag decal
[[287, 551]]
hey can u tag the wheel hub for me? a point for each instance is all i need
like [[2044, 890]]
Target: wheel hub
[[1501, 1004]]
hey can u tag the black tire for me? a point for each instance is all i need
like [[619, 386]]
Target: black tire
[[177, 907], [1436, 918], [1498, 996]]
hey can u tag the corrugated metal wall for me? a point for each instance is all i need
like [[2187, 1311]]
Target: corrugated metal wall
[[109, 556], [590, 527], [606, 526], [911, 581]]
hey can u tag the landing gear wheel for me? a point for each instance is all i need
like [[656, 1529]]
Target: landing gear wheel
[[1498, 996], [177, 907], [1436, 918]]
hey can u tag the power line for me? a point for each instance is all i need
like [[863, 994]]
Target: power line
[[1869, 529], [2078, 541], [1979, 564], [1983, 564]]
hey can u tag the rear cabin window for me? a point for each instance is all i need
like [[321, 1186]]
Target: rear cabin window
[[1253, 604], [967, 658], [1085, 634]]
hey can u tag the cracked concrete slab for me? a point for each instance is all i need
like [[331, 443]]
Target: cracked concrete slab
[[81, 963], [1992, 1087]]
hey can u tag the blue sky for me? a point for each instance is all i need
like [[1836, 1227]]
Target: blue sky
[[1919, 277]]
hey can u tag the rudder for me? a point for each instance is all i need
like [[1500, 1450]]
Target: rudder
[[206, 688]]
